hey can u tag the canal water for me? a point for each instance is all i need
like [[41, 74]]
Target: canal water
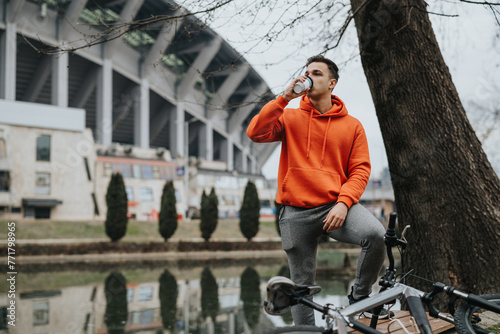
[[210, 296]]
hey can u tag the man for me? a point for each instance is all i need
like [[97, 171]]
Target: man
[[323, 171]]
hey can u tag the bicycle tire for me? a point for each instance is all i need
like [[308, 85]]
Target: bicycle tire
[[467, 321], [298, 330]]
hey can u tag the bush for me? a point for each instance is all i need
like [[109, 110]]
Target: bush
[[250, 212], [116, 216], [209, 214], [168, 212]]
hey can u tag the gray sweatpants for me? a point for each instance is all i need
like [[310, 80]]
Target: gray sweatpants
[[300, 231]]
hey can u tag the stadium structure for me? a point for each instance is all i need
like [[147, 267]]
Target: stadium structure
[[169, 100]]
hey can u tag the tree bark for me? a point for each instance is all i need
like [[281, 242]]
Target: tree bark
[[444, 186]]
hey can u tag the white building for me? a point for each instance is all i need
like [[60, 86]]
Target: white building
[[140, 104]]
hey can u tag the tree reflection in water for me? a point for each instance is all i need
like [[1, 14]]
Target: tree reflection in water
[[250, 295], [209, 295], [168, 299], [115, 288]]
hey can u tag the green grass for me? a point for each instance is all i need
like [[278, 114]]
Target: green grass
[[495, 328], [136, 230]]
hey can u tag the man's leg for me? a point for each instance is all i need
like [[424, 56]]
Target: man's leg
[[299, 234], [362, 228]]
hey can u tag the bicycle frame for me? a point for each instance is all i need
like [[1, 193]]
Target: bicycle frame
[[344, 317]]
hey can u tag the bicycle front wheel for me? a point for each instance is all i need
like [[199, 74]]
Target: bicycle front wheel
[[299, 330], [475, 319]]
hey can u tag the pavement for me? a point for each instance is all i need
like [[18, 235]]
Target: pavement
[[138, 240]]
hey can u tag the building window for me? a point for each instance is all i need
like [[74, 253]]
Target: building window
[[3, 150], [40, 313], [126, 170], [130, 193], [147, 316], [145, 194], [137, 171], [145, 293], [147, 172], [156, 172], [42, 185], [130, 295], [108, 169], [43, 148], [4, 181], [29, 212]]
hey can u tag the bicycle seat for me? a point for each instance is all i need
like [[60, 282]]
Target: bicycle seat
[[282, 293]]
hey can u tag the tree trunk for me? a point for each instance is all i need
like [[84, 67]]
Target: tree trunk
[[444, 186]]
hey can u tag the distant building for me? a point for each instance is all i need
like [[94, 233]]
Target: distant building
[[141, 105], [379, 196]]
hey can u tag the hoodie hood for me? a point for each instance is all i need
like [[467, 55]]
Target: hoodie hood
[[338, 109]]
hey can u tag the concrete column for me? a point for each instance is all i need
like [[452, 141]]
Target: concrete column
[[202, 137], [141, 116], [60, 80], [70, 17], [104, 114], [238, 160], [177, 131], [244, 161], [254, 168], [198, 66], [229, 154], [209, 141], [8, 62], [231, 323]]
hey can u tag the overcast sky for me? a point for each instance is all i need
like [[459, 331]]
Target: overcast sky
[[467, 42]]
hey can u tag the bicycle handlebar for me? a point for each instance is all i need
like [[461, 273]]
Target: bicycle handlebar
[[391, 240]]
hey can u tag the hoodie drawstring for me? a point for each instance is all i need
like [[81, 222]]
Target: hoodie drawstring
[[309, 134], [324, 142], [324, 138]]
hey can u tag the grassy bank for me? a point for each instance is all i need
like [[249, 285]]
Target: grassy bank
[[136, 230]]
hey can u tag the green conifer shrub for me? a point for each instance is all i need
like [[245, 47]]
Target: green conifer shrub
[[168, 211], [209, 214], [250, 212], [116, 201]]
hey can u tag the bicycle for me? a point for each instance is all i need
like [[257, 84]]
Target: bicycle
[[476, 314]]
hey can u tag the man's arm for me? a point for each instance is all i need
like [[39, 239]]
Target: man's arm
[[358, 172], [353, 188], [267, 126]]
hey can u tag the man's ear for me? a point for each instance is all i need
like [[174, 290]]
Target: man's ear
[[333, 83]]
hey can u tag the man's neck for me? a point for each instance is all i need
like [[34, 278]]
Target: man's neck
[[323, 104]]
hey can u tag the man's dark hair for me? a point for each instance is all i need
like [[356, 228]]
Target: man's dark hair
[[334, 70]]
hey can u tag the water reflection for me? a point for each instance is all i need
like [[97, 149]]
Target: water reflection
[[250, 295], [168, 300], [115, 317], [181, 297]]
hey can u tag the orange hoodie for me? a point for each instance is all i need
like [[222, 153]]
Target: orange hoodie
[[324, 157]]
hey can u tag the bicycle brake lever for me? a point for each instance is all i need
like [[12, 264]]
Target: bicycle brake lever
[[402, 241], [404, 233]]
